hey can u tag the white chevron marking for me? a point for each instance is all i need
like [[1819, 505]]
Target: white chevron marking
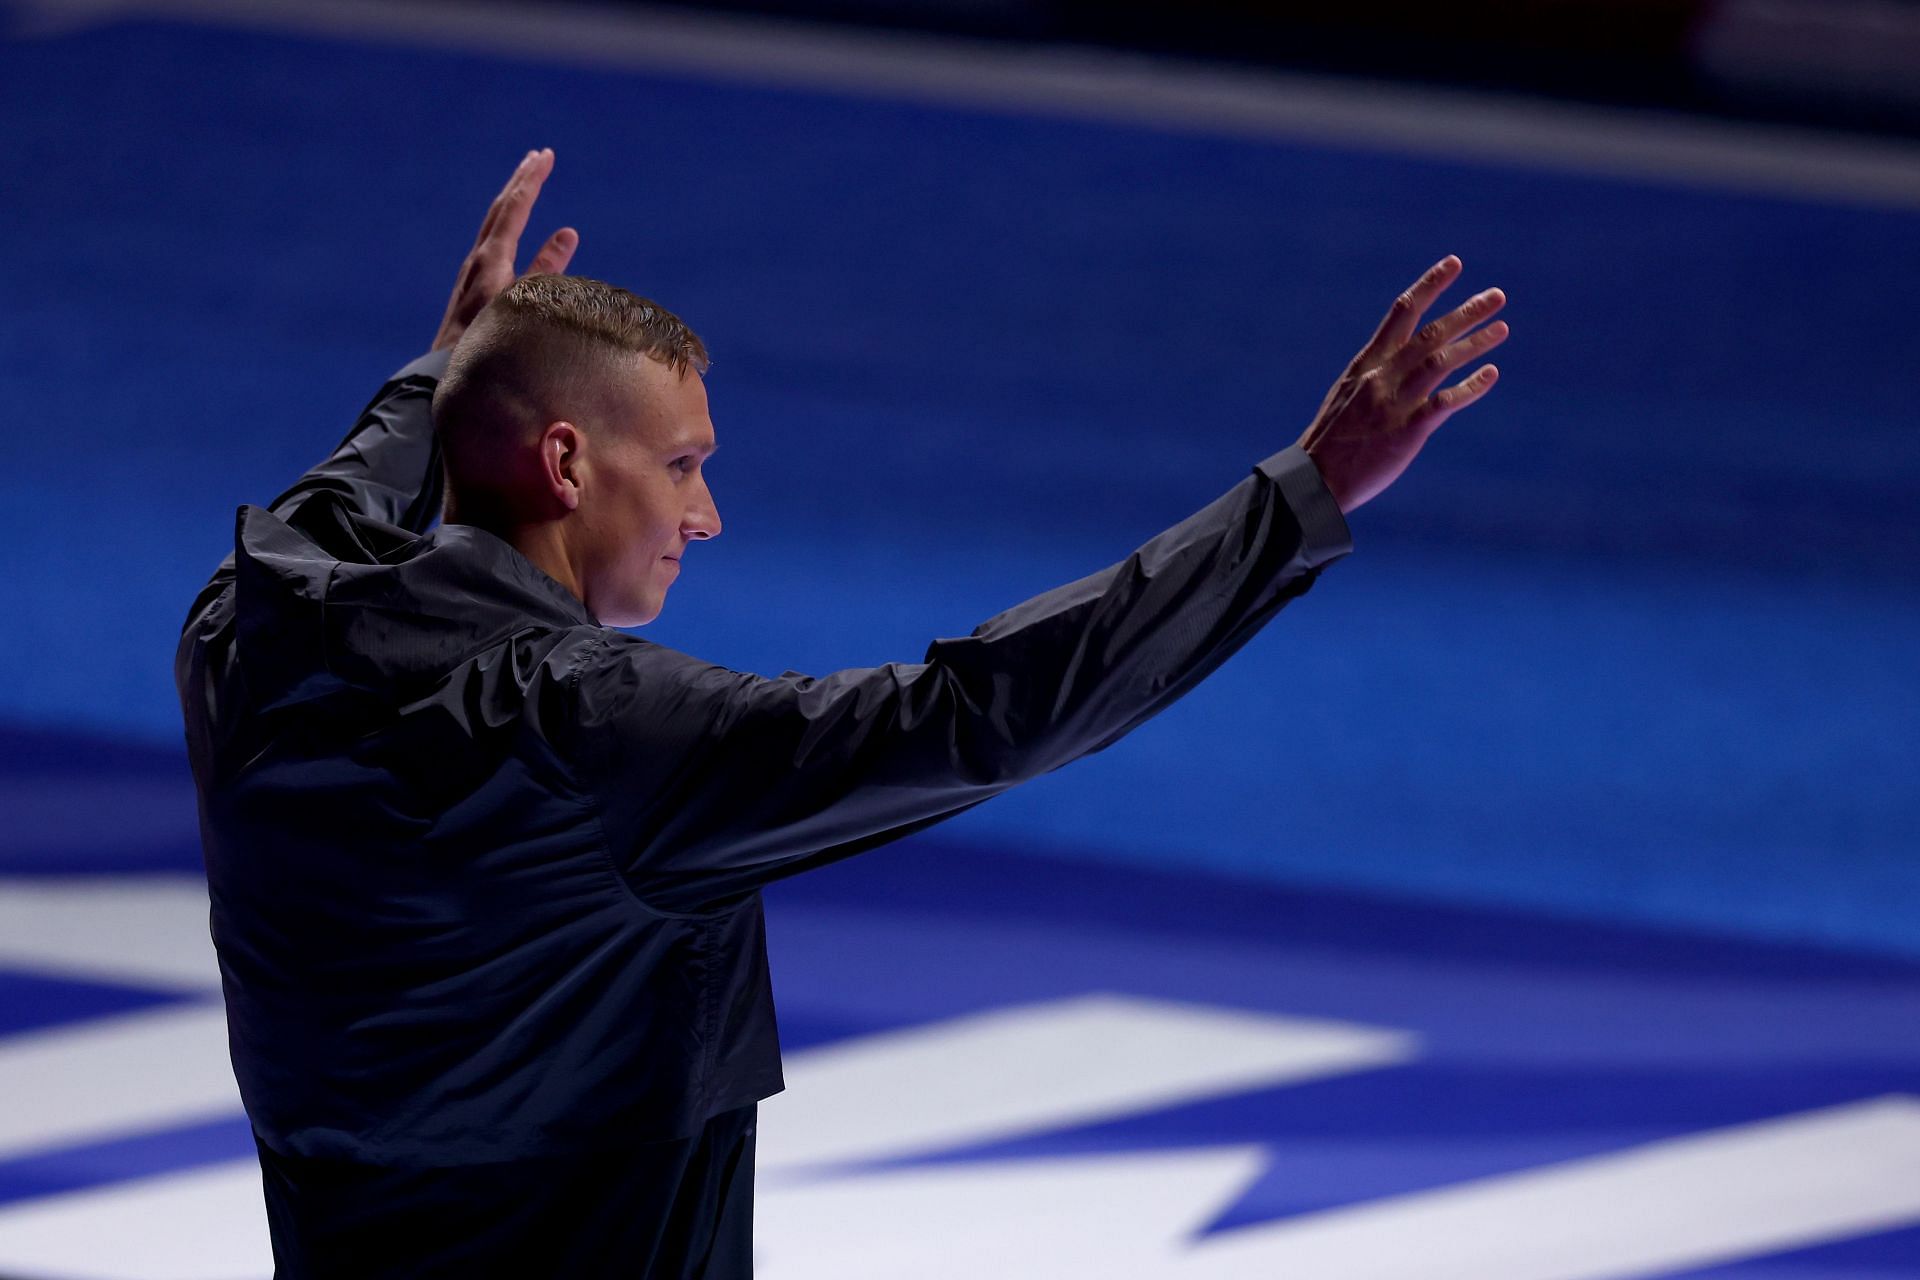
[[158, 1068], [1716, 1197], [205, 1224], [1685, 1203], [1043, 1066], [150, 931], [1736, 1193], [1114, 1217]]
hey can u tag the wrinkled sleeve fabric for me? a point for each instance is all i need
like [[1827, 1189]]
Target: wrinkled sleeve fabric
[[387, 467], [713, 782]]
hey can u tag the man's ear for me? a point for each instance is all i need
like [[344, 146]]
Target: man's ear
[[563, 449]]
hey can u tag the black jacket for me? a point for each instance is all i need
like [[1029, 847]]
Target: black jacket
[[484, 873]]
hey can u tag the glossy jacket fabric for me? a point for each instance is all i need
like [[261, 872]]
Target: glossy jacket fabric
[[484, 873]]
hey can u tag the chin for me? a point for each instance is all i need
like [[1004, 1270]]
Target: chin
[[637, 614], [627, 600]]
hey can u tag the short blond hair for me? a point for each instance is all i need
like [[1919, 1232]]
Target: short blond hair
[[543, 344], [602, 312]]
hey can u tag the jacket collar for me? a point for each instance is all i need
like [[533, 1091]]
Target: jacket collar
[[328, 599]]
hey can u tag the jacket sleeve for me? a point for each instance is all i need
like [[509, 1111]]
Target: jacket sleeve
[[387, 467], [712, 782]]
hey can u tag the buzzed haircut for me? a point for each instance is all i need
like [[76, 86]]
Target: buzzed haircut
[[537, 353], [596, 311]]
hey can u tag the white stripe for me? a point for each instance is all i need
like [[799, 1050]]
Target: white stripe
[[1697, 1201], [1687, 1203], [207, 1224], [1737, 1193], [159, 1068], [150, 931], [1114, 1217], [1158, 92], [1045, 1066]]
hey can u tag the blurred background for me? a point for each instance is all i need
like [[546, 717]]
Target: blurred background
[[1538, 897]]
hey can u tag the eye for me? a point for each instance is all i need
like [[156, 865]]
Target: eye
[[681, 463]]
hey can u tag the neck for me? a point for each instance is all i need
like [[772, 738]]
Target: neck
[[540, 543]]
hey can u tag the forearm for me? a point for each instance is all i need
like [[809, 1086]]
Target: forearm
[[1074, 669]]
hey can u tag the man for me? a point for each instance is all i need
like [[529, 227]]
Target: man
[[485, 872]]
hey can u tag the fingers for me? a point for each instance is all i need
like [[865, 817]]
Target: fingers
[[516, 201], [556, 253], [1444, 405], [499, 204], [1398, 325], [515, 193], [1432, 369], [1480, 307]]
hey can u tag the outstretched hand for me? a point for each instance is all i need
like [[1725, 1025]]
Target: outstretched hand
[[489, 265], [1383, 408]]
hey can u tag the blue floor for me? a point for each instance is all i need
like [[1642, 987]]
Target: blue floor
[[1541, 1039]]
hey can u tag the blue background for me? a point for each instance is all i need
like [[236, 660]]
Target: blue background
[[1632, 640]]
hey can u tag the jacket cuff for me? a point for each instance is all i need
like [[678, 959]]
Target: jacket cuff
[[431, 365], [1323, 529]]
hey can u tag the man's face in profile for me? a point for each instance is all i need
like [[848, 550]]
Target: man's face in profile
[[646, 497]]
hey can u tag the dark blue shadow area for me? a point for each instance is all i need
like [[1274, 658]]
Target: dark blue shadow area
[[1890, 1255], [36, 1001], [164, 1151], [79, 803], [930, 876], [1633, 640]]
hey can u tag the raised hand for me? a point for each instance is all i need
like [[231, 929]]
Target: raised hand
[[1383, 408], [489, 265]]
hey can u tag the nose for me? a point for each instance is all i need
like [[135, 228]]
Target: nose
[[704, 521]]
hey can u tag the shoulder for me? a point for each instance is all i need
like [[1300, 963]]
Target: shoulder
[[627, 660], [624, 684]]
